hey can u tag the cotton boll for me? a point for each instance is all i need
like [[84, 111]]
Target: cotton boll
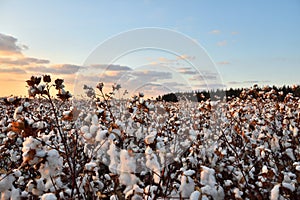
[[88, 136], [133, 193], [195, 195], [150, 190], [5, 195], [295, 131], [153, 164], [187, 186], [289, 186], [17, 112], [290, 153], [189, 172], [114, 197], [114, 158], [149, 139], [94, 119], [53, 164], [237, 193], [107, 177], [15, 194], [88, 118], [90, 166], [48, 196], [208, 176], [93, 129], [6, 183], [84, 129], [275, 192], [264, 169], [101, 134], [127, 169]]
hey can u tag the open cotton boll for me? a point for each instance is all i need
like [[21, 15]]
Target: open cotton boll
[[264, 169], [88, 118], [207, 176], [275, 192], [150, 190], [134, 193], [152, 163], [114, 197], [101, 134], [94, 119], [17, 112], [149, 139], [15, 194], [84, 129], [49, 196], [127, 168], [195, 195], [290, 153], [237, 193], [10, 99], [53, 164], [289, 186], [90, 166], [114, 158], [93, 129], [187, 186], [189, 172], [6, 183], [295, 131], [5, 195]]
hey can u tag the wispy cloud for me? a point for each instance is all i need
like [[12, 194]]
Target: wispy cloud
[[204, 76], [186, 70], [222, 43], [210, 86], [55, 69], [110, 67], [234, 33], [223, 63], [13, 70], [215, 32], [186, 57], [247, 82], [151, 76], [22, 61]]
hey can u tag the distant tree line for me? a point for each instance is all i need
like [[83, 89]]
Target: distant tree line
[[279, 93]]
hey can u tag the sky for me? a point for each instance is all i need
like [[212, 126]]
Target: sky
[[194, 44]]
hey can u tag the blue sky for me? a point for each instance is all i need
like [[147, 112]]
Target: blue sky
[[250, 41]]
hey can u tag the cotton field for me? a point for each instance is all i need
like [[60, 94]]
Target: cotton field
[[103, 147]]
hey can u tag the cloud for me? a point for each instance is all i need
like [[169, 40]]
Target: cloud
[[247, 82], [56, 69], [234, 33], [111, 67], [223, 63], [188, 71], [222, 43], [22, 61], [215, 32], [211, 86], [151, 76], [176, 61], [186, 57], [13, 70], [174, 84], [9, 44], [205, 76]]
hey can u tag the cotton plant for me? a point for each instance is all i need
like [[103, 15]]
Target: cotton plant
[[102, 147]]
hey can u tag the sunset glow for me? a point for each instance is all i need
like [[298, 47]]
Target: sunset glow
[[246, 48]]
